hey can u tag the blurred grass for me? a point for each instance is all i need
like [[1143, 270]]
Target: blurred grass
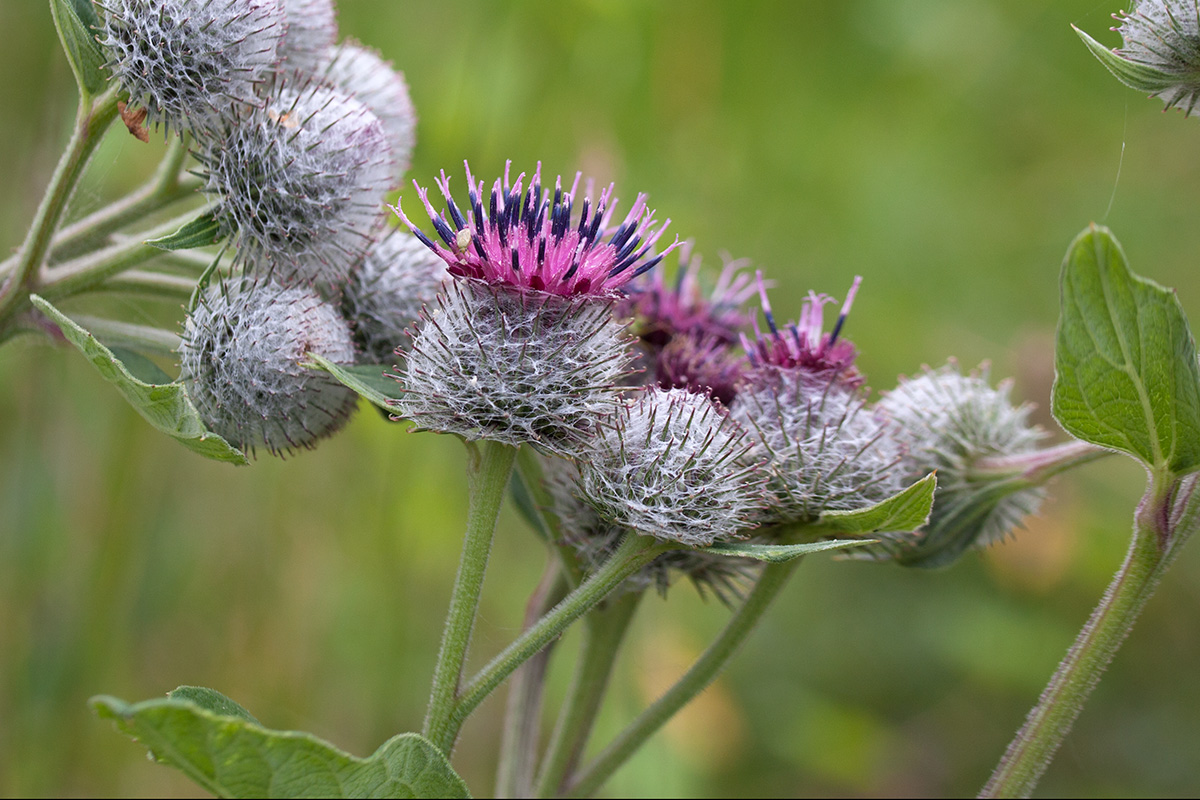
[[946, 152]]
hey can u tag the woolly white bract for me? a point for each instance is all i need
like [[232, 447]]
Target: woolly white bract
[[301, 182], [385, 295], [514, 366], [824, 449], [947, 421], [670, 464], [594, 539], [363, 73], [1165, 35], [240, 360], [189, 62], [309, 33]]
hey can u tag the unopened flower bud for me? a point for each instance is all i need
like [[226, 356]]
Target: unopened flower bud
[[385, 294], [364, 74], [310, 31], [948, 422], [189, 62], [301, 182], [240, 359]]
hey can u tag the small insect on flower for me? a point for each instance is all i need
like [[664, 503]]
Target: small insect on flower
[[529, 238]]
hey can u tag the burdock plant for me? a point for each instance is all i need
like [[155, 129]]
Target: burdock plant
[[644, 426]]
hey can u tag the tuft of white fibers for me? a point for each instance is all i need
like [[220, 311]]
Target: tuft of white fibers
[[1165, 35], [594, 539], [947, 421], [672, 465], [240, 360], [309, 33], [363, 73], [385, 294], [301, 181], [189, 62], [824, 449], [514, 365]]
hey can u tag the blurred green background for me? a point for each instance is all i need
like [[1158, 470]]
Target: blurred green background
[[946, 151]]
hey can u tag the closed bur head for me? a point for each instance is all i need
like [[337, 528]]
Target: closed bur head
[[301, 182], [1163, 35], [364, 74], [947, 421], [514, 366], [240, 362], [189, 62], [672, 465], [310, 29], [385, 294]]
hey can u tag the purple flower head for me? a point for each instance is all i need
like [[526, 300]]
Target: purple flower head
[[804, 346], [527, 239], [665, 310], [704, 365]]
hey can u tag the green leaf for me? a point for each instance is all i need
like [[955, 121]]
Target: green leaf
[[1126, 375], [165, 406], [369, 381], [1142, 77], [76, 21], [139, 366], [199, 232], [231, 755], [906, 511], [778, 553]]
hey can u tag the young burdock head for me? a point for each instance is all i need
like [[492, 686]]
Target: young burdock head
[[386, 293], [310, 31], [523, 347], [361, 72], [704, 365], [672, 465], [802, 403], [240, 359], [594, 539], [948, 422], [301, 181], [188, 62], [1160, 54]]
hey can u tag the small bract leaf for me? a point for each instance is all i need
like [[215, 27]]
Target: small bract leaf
[[231, 755], [76, 21], [165, 406], [904, 511], [1126, 375], [199, 232], [368, 380], [1142, 77], [778, 553]]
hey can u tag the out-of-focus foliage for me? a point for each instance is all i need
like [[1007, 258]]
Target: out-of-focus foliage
[[946, 152]]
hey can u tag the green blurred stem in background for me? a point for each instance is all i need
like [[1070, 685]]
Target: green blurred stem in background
[[489, 466], [774, 577], [1165, 519]]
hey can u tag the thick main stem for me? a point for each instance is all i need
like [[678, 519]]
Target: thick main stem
[[604, 630], [694, 681], [1157, 537], [90, 125], [488, 469], [634, 553]]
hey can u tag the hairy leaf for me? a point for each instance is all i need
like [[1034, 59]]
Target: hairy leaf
[[76, 21], [199, 232], [907, 510], [778, 553], [369, 381]]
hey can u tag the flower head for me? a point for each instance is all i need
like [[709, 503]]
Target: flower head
[[301, 181], [703, 365], [311, 29], [529, 238], [385, 294], [189, 61], [364, 74], [240, 361], [1164, 35], [804, 346]]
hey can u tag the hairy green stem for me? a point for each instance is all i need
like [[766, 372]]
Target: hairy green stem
[[157, 284], [1165, 518], [521, 734], [1041, 465], [489, 465], [604, 630], [634, 553], [90, 125], [124, 334], [694, 681]]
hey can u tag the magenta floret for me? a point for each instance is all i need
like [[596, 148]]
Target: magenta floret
[[531, 238]]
